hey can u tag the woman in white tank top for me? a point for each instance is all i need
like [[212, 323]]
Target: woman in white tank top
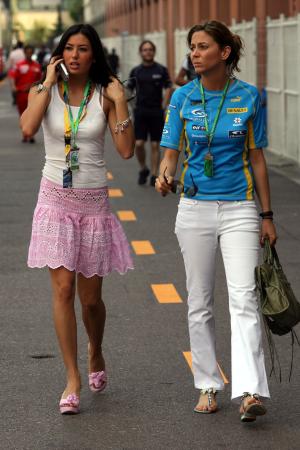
[[74, 232]]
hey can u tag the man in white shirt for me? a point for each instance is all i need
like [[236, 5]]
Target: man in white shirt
[[16, 55]]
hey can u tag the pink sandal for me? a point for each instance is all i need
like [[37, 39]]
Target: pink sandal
[[97, 381], [69, 405]]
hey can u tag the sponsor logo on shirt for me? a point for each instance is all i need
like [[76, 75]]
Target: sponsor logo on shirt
[[172, 106], [196, 102], [236, 134], [24, 68], [166, 134], [199, 136], [237, 110], [237, 122], [156, 76], [236, 99], [198, 127], [199, 113]]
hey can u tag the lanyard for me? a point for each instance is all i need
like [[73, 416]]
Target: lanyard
[[71, 129], [210, 134], [72, 125]]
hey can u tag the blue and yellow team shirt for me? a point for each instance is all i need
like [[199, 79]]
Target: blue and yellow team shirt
[[240, 127]]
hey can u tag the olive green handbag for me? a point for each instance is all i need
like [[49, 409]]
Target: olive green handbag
[[279, 306]]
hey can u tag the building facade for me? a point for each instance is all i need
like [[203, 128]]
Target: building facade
[[140, 17], [270, 30], [26, 14]]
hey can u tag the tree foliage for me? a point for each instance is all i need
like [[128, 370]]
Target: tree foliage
[[59, 26], [39, 34], [76, 10]]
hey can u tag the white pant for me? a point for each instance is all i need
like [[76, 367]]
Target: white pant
[[200, 227]]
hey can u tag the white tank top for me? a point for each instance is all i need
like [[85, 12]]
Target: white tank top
[[90, 140]]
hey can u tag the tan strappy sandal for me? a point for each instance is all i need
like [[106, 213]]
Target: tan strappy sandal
[[211, 398], [253, 408]]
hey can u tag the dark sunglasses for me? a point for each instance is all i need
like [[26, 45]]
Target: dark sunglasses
[[178, 187]]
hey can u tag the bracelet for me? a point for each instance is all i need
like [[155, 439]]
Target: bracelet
[[120, 126], [266, 215], [41, 87]]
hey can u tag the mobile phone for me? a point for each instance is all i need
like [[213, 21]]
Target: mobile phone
[[63, 71]]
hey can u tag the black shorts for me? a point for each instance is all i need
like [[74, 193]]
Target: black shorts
[[148, 123]]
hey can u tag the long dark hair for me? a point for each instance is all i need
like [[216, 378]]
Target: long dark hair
[[100, 71], [223, 37]]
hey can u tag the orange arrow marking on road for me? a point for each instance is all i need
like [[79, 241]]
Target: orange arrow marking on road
[[142, 247], [126, 216], [115, 193], [188, 358], [166, 293]]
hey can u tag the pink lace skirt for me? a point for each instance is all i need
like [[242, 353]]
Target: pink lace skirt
[[75, 228]]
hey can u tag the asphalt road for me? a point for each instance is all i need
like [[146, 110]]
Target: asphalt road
[[150, 397]]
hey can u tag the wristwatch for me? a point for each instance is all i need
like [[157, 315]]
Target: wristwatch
[[41, 87]]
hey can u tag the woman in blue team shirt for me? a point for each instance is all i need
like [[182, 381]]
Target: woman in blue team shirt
[[219, 119]]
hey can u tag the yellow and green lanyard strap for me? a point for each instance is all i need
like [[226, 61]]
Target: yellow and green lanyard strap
[[208, 159], [71, 125]]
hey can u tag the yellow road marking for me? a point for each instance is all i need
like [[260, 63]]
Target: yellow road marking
[[143, 247], [188, 358], [110, 176], [126, 215], [225, 379], [166, 293], [115, 193]]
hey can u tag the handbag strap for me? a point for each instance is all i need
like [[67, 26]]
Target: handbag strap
[[270, 255], [272, 350], [274, 354]]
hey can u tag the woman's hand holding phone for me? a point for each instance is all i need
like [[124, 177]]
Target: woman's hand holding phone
[[63, 71], [52, 72]]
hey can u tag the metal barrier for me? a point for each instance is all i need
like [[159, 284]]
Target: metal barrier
[[283, 86]]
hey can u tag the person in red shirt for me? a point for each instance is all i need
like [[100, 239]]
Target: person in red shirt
[[15, 56], [26, 73]]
